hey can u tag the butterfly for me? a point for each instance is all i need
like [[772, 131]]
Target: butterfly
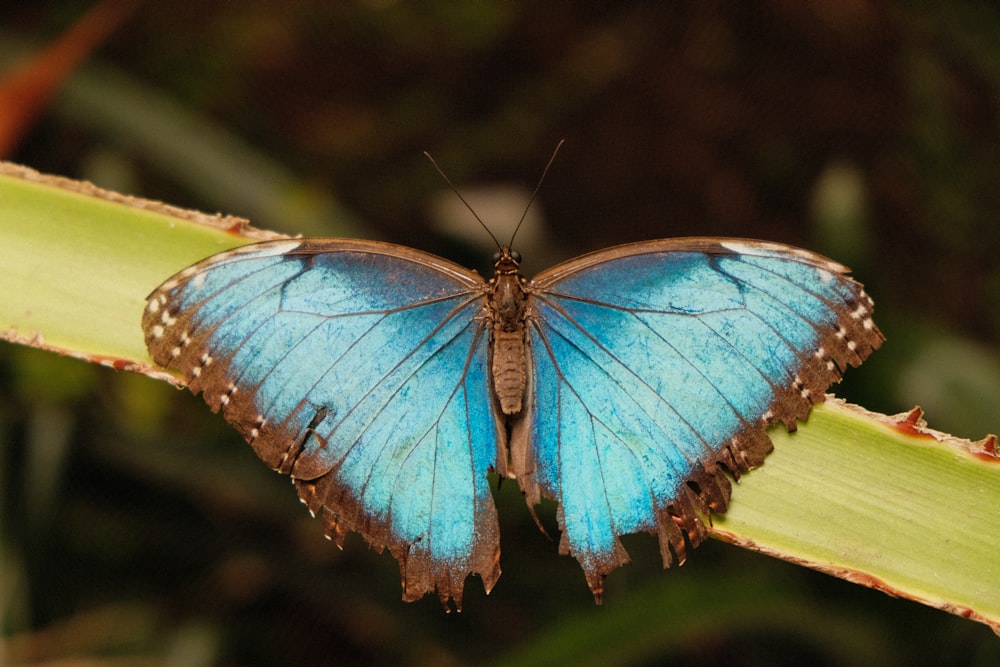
[[623, 384]]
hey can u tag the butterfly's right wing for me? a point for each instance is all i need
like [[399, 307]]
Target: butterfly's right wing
[[360, 369], [657, 366]]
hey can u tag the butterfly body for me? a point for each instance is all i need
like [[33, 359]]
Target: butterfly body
[[507, 302], [623, 384]]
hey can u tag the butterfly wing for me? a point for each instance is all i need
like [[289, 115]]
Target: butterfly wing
[[360, 369], [657, 365]]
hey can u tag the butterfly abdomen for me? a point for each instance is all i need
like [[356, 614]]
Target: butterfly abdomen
[[509, 376]]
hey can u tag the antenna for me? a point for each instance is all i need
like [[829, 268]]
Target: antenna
[[462, 199], [473, 211], [537, 188]]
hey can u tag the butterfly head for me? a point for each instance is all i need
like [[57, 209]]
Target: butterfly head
[[506, 261]]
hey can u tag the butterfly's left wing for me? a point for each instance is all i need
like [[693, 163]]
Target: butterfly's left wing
[[655, 366], [360, 369]]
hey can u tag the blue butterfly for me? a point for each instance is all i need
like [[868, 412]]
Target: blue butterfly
[[623, 384]]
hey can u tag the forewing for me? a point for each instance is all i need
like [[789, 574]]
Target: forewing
[[360, 369], [657, 365]]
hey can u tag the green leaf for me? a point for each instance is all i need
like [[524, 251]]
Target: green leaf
[[879, 501], [77, 262]]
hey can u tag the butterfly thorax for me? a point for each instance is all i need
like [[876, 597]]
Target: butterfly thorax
[[507, 303]]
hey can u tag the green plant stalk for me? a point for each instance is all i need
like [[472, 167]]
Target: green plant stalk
[[880, 501]]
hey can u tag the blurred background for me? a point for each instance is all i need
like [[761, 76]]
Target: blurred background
[[136, 528]]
